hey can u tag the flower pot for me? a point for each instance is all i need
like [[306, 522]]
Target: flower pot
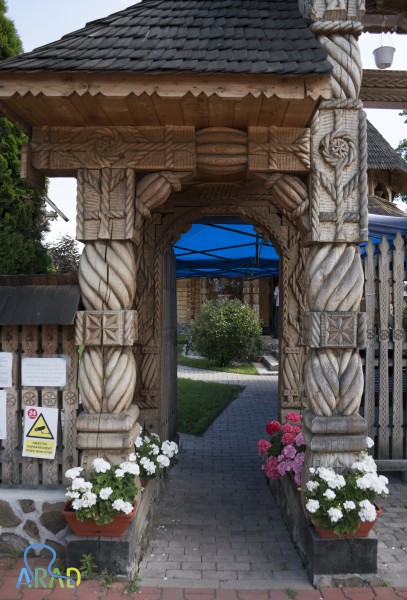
[[116, 528], [363, 530], [383, 56]]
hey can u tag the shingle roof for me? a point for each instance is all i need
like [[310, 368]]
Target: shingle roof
[[382, 206], [201, 36], [380, 155]]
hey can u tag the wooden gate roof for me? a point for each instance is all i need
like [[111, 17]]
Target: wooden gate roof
[[200, 36]]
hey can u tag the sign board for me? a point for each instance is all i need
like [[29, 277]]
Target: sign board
[[40, 432], [43, 372], [6, 366], [3, 415]]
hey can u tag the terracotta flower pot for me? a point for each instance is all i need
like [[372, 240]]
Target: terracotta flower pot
[[116, 528], [365, 527]]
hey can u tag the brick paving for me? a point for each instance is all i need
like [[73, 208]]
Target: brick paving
[[218, 533]]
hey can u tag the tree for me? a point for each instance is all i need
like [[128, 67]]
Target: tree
[[22, 220], [65, 255], [402, 150]]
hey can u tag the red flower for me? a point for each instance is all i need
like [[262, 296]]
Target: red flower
[[262, 447], [273, 427], [293, 417]]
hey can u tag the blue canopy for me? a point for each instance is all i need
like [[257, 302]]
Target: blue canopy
[[227, 247]]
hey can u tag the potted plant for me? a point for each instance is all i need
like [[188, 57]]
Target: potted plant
[[106, 502], [284, 451], [342, 504], [152, 455]]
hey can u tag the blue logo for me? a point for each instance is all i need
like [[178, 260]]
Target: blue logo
[[37, 578]]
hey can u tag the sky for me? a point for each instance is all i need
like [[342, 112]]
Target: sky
[[39, 22]]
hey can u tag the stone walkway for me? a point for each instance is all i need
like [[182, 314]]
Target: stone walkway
[[218, 533], [218, 525]]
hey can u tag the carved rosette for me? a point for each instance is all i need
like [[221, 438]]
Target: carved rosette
[[338, 208]]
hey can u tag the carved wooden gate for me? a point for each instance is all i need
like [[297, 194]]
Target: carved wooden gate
[[385, 393]]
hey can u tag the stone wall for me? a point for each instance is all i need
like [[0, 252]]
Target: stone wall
[[29, 516]]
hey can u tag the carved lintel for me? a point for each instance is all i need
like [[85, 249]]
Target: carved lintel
[[292, 350], [106, 328], [293, 392], [339, 329], [64, 150], [282, 149]]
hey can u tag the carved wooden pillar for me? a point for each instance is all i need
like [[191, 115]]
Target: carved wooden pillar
[[334, 327], [108, 327]]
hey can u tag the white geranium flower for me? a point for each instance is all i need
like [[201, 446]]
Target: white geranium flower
[[73, 473], [89, 499], [330, 494], [130, 467], [163, 461], [349, 505], [312, 506], [119, 473], [335, 514], [78, 484], [148, 465], [122, 506], [369, 442], [101, 465], [312, 485], [169, 448], [72, 495], [77, 504], [139, 442], [133, 457], [367, 511], [105, 493], [155, 449]]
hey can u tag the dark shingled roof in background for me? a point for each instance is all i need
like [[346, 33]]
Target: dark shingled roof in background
[[382, 206], [201, 36], [380, 155]]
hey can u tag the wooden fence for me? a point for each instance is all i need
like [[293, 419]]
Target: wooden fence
[[35, 341], [385, 357]]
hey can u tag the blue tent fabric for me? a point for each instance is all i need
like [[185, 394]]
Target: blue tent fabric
[[234, 249]]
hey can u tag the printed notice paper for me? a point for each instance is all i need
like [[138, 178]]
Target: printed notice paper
[[43, 372], [3, 415], [40, 432], [6, 366]]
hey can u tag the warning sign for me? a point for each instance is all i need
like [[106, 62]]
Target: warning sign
[[40, 432]]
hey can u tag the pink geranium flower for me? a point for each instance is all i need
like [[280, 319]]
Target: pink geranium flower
[[293, 417], [262, 447]]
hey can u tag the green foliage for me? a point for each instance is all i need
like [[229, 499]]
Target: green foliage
[[21, 204], [134, 585], [88, 567], [65, 255], [402, 150], [227, 330], [10, 43], [200, 402], [106, 578], [204, 363]]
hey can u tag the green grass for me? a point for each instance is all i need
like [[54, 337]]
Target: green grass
[[204, 363], [200, 402]]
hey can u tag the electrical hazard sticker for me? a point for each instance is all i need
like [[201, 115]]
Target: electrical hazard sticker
[[40, 432]]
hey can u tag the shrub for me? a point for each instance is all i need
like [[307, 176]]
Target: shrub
[[227, 330]]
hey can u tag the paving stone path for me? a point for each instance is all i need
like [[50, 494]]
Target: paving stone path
[[218, 525]]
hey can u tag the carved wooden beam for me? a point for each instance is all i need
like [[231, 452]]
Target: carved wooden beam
[[284, 149], [384, 89], [63, 150]]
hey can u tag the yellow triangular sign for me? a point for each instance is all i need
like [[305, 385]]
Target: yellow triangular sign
[[40, 430]]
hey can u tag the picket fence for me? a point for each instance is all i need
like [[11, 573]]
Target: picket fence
[[385, 358], [34, 340]]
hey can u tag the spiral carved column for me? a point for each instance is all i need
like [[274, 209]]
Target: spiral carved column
[[108, 327], [334, 329]]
